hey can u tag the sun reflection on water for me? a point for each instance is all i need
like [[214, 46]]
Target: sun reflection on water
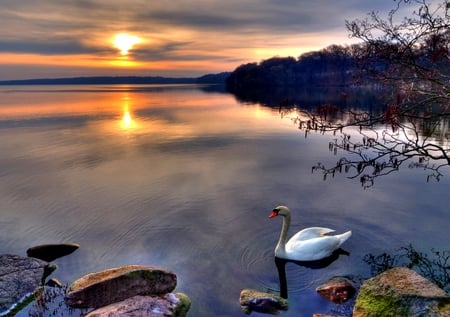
[[127, 121]]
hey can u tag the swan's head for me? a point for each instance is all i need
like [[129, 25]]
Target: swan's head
[[280, 211]]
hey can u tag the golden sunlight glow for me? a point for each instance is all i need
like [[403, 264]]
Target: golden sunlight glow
[[127, 122], [125, 42], [123, 61]]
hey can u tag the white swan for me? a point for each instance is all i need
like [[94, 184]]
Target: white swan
[[309, 244]]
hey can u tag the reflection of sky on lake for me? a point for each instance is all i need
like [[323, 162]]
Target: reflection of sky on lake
[[186, 179]]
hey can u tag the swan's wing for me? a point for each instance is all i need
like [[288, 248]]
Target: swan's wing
[[312, 249], [310, 233]]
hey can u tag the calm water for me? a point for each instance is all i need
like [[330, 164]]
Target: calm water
[[182, 178]]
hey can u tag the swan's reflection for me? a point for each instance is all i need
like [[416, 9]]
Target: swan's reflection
[[319, 264]]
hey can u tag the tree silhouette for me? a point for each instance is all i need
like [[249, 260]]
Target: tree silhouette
[[410, 61], [378, 144], [405, 62]]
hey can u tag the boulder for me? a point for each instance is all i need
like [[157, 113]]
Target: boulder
[[51, 252], [337, 290], [401, 292], [19, 278], [106, 287], [168, 305], [252, 300]]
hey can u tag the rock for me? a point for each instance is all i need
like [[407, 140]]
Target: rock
[[48, 270], [51, 252], [54, 282], [19, 278], [337, 290], [168, 305], [401, 292], [116, 284], [252, 300]]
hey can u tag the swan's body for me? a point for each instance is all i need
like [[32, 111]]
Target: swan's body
[[310, 244]]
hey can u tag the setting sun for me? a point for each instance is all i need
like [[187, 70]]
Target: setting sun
[[124, 42]]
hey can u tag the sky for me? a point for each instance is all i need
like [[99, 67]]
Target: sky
[[176, 38]]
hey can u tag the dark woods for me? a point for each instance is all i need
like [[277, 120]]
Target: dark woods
[[332, 66], [386, 100]]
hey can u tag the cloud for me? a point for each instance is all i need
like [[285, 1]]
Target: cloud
[[50, 47], [84, 18], [233, 31], [242, 17]]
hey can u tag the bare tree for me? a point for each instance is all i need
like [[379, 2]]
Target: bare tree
[[410, 59]]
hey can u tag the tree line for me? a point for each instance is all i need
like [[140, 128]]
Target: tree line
[[332, 66], [406, 60]]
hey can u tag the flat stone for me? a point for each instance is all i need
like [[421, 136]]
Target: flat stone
[[252, 300], [337, 290], [168, 305], [401, 292], [109, 286], [51, 252], [19, 278]]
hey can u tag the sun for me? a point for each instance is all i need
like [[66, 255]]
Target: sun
[[125, 42]]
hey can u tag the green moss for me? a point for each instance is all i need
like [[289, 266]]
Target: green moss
[[387, 305], [444, 307], [48, 270], [157, 277], [152, 274], [183, 306], [253, 300], [25, 301]]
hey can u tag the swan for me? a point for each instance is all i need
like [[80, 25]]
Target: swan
[[310, 244]]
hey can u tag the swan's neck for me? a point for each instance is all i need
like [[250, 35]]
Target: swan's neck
[[280, 249]]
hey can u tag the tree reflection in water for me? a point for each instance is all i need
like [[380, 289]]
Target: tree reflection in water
[[374, 137], [435, 267], [402, 62]]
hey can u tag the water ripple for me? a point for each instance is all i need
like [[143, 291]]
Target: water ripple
[[257, 260]]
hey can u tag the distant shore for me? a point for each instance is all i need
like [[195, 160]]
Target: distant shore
[[115, 80]]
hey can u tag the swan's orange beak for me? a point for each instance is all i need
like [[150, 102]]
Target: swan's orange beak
[[273, 214]]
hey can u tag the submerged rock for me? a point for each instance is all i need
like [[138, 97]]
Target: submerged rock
[[54, 282], [106, 287], [19, 278], [401, 292], [337, 290], [168, 305], [252, 300], [51, 252]]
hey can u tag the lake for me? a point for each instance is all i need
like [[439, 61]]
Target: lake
[[184, 177]]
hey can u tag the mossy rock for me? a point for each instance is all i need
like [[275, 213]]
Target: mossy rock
[[113, 285], [252, 300], [20, 277], [173, 305], [183, 305], [401, 292]]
